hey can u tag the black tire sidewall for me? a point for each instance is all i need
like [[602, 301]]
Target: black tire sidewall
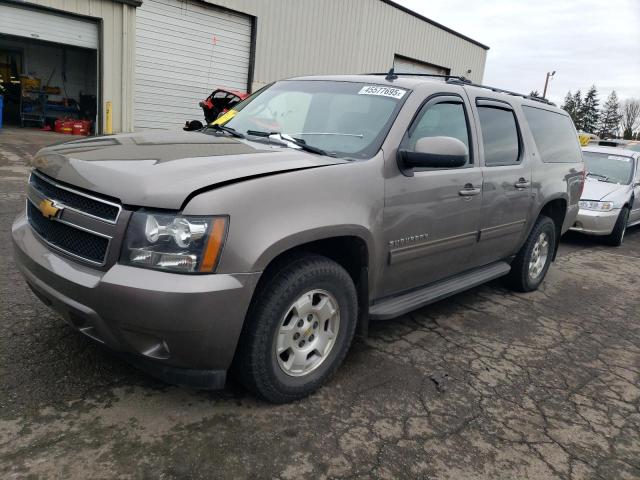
[[319, 274], [547, 226], [342, 342], [617, 236]]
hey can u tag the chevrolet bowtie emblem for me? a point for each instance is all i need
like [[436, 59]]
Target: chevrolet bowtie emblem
[[48, 208]]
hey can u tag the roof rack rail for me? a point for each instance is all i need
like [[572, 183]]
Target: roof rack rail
[[391, 75], [508, 92]]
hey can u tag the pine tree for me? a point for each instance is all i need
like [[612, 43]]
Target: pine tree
[[610, 117], [572, 105], [589, 111], [577, 110], [568, 105]]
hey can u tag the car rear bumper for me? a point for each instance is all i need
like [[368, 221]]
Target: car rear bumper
[[595, 223], [183, 328]]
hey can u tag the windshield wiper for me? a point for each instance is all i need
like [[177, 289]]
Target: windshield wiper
[[601, 178], [287, 139], [339, 134], [229, 130]]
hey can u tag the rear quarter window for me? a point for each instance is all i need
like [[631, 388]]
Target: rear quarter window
[[554, 135]]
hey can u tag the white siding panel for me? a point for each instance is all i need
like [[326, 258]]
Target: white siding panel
[[309, 37], [50, 27], [177, 63]]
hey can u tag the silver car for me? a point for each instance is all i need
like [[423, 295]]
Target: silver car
[[610, 201]]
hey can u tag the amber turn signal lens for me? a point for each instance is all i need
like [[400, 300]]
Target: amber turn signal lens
[[214, 245]]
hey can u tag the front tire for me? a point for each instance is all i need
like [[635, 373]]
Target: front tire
[[534, 258], [616, 237], [298, 330]]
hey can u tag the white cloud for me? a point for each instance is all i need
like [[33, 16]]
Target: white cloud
[[586, 41]]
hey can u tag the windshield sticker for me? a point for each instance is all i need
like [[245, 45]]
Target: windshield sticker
[[619, 159], [382, 91]]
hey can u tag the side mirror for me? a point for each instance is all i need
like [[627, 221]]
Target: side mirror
[[192, 125], [433, 152]]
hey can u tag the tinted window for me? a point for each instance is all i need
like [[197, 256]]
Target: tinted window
[[499, 136], [441, 120], [554, 135]]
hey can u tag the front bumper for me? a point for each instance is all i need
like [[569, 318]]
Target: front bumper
[[593, 222], [185, 327]]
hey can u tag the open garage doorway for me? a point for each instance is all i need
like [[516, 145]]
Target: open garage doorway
[[409, 65], [48, 70]]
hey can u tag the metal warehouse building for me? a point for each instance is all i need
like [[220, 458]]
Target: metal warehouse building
[[153, 60]]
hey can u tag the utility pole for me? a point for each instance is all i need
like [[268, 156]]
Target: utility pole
[[546, 83]]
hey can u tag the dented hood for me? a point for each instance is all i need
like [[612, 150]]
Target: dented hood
[[162, 168]]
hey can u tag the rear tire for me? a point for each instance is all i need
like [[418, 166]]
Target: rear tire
[[298, 330], [616, 237], [532, 262]]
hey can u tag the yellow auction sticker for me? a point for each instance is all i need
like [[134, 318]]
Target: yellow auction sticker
[[224, 118]]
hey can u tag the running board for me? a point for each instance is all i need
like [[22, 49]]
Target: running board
[[396, 306]]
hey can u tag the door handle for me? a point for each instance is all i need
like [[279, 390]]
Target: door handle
[[469, 191], [522, 183]]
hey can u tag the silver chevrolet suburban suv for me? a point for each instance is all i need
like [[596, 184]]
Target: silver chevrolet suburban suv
[[261, 245]]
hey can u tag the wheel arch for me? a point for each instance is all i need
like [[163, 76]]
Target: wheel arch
[[349, 247], [556, 210]]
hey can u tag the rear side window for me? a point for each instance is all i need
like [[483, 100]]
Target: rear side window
[[554, 135], [499, 136]]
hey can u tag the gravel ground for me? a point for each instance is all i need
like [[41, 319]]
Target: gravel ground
[[487, 384]]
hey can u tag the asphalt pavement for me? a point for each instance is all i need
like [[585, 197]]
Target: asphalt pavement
[[488, 384]]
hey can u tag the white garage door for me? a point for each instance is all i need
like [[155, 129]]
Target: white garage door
[[50, 27], [184, 49], [406, 65]]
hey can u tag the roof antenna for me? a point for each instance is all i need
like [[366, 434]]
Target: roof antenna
[[391, 76]]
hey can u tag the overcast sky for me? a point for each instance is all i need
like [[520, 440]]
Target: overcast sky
[[586, 41]]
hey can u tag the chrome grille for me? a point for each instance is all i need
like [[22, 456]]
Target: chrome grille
[[76, 223], [74, 199], [71, 240]]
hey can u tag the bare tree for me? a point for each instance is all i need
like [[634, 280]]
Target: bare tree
[[630, 117]]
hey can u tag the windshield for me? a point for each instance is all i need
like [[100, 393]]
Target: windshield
[[635, 147], [609, 168], [341, 118]]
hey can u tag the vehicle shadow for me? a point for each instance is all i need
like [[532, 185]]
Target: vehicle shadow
[[576, 239]]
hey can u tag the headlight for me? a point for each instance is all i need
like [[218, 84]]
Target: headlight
[[177, 243], [599, 206]]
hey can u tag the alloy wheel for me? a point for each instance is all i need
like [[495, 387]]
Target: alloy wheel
[[307, 333], [539, 256]]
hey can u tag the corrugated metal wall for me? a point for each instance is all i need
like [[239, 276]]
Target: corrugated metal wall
[[117, 68], [294, 37], [299, 37]]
